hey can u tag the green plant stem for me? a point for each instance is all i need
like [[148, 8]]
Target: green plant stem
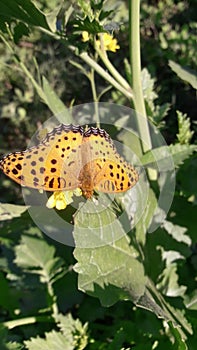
[[135, 61], [104, 57], [102, 72], [93, 86], [27, 320], [95, 97], [52, 295]]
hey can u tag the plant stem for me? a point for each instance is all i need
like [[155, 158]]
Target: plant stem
[[86, 58], [27, 320], [135, 61], [95, 97], [103, 55], [102, 72], [52, 295]]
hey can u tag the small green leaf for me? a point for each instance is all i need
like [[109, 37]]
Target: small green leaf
[[181, 152], [37, 256], [191, 300], [92, 27], [184, 73], [9, 211], [148, 88], [179, 340], [164, 155], [177, 232], [168, 284], [73, 329], [185, 134], [86, 8]]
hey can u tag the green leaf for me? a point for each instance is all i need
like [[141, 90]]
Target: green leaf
[[37, 256], [191, 300], [7, 345], [185, 134], [163, 154], [86, 8], [181, 152], [73, 329], [25, 11], [177, 232], [184, 73], [148, 88], [159, 114], [92, 27], [169, 278], [10, 211], [179, 341], [53, 340], [108, 265], [72, 335], [13, 346]]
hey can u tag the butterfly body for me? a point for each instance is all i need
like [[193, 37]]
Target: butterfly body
[[70, 157]]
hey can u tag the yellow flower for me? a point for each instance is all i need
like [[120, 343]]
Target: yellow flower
[[110, 44], [60, 199], [85, 36]]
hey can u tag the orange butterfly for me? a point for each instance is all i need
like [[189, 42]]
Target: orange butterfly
[[70, 157]]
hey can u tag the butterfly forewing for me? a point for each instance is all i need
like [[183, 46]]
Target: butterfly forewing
[[51, 165]]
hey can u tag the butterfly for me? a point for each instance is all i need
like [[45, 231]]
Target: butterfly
[[71, 157]]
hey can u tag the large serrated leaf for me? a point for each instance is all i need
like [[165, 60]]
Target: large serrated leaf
[[108, 265]]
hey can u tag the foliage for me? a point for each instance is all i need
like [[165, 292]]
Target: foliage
[[44, 62]]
